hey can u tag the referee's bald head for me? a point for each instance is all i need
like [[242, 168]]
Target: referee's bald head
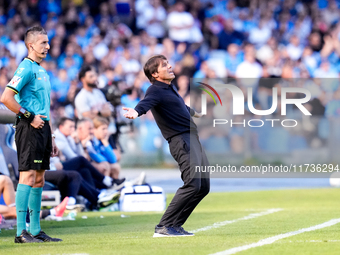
[[32, 32]]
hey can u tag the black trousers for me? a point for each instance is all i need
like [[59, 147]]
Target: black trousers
[[86, 170], [70, 184], [188, 152]]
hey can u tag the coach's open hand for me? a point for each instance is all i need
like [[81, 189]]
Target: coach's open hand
[[131, 113], [37, 121]]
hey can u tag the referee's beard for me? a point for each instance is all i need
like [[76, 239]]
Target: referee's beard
[[92, 85]]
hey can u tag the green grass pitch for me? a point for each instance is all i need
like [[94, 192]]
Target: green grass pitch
[[114, 234]]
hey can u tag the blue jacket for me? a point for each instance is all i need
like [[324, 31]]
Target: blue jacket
[[99, 153]]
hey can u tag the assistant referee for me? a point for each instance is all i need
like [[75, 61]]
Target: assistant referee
[[173, 118], [28, 95]]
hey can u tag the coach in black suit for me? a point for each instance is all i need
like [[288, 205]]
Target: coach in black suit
[[174, 120]]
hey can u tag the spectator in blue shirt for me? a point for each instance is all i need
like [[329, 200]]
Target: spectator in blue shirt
[[70, 51], [99, 148], [3, 18], [233, 59], [61, 85]]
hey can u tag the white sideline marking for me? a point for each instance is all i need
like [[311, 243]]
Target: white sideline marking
[[272, 239], [248, 217]]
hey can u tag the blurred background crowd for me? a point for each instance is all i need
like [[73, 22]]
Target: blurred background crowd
[[203, 39]]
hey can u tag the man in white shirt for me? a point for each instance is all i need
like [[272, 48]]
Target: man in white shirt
[[140, 6], [131, 67], [180, 24], [294, 48], [248, 75], [17, 47], [154, 16], [260, 34], [249, 71], [100, 49], [90, 101]]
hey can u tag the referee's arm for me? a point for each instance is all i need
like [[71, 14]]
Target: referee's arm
[[8, 99]]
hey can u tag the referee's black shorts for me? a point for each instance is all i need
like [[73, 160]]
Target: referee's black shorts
[[34, 146]]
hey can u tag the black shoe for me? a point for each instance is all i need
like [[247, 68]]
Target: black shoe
[[118, 181], [45, 238], [118, 184], [182, 231], [25, 237], [165, 232]]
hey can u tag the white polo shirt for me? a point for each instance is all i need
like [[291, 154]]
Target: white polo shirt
[[86, 101], [178, 20]]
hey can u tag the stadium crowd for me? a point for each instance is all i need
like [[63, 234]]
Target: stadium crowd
[[207, 39]]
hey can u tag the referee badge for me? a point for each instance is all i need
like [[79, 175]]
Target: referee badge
[[14, 82]]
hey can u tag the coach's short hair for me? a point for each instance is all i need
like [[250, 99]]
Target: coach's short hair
[[151, 66], [33, 31], [83, 70]]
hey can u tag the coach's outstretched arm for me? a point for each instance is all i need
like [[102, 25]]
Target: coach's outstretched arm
[[133, 114], [8, 99], [150, 100]]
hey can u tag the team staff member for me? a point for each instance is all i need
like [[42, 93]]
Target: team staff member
[[173, 118], [28, 95]]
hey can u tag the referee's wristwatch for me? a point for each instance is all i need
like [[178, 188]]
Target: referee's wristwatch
[[53, 136]]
